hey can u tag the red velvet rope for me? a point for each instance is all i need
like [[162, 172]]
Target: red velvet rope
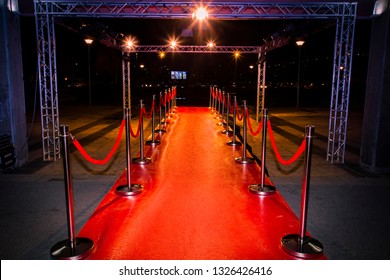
[[163, 100], [254, 133], [135, 135], [108, 157], [214, 92], [239, 116], [148, 116], [278, 156]]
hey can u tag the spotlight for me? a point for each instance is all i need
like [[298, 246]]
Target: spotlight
[[200, 14]]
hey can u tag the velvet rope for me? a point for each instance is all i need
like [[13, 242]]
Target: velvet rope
[[214, 92], [278, 156], [163, 100], [109, 156], [148, 116], [239, 116], [135, 135], [254, 133]]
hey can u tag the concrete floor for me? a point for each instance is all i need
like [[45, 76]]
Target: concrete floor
[[348, 207]]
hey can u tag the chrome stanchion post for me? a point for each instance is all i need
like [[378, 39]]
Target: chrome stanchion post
[[301, 245], [160, 129], [223, 110], [211, 89], [142, 159], [244, 159], [233, 142], [212, 100], [174, 101], [262, 188], [73, 248], [172, 106], [128, 189], [227, 130], [153, 141], [165, 108], [169, 104], [217, 111]]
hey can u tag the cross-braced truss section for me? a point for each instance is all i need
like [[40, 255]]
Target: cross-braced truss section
[[47, 83], [343, 12], [183, 9], [338, 115], [261, 70], [193, 49], [126, 81]]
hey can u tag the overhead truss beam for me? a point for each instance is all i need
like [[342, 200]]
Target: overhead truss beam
[[216, 9], [195, 49]]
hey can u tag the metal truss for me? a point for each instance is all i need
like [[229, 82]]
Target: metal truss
[[261, 70], [193, 49], [47, 83], [343, 12], [183, 9], [126, 81], [338, 115]]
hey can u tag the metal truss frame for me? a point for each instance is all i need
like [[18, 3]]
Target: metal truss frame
[[184, 9], [193, 49], [261, 70], [342, 67], [126, 80], [343, 12], [47, 83]]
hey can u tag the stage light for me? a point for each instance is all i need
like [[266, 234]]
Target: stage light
[[130, 42], [299, 43], [173, 44], [211, 44], [88, 41], [236, 54], [161, 55], [200, 14]]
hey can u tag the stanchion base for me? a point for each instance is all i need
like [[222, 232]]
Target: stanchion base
[[245, 160], [62, 250], [125, 190], [311, 247], [141, 160], [152, 142], [234, 143], [265, 190]]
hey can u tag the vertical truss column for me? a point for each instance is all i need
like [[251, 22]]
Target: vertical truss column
[[261, 68], [126, 81], [47, 81], [338, 117]]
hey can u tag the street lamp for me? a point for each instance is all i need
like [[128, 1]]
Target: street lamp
[[89, 42], [236, 56], [299, 44]]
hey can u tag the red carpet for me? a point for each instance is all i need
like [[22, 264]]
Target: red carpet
[[195, 204]]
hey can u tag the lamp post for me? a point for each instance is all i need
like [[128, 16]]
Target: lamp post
[[236, 56], [299, 44], [89, 42]]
